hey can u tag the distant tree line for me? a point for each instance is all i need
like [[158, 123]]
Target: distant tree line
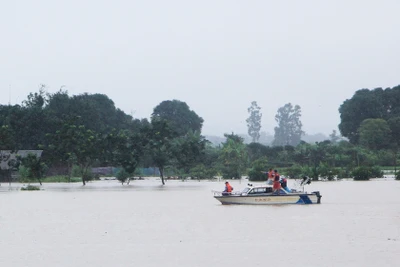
[[87, 130]]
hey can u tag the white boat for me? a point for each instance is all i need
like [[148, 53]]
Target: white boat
[[264, 195]]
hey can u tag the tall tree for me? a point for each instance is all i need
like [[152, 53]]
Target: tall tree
[[368, 104], [160, 144], [179, 116], [289, 130], [254, 121]]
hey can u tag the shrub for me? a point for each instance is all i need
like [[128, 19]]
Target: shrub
[[325, 171], [376, 172], [257, 172], [294, 171], [343, 173], [361, 173], [397, 175], [30, 188], [122, 176], [201, 172]]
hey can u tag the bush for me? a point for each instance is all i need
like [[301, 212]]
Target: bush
[[361, 173], [257, 172], [23, 173], [397, 175], [325, 171], [30, 188], [376, 172], [343, 173], [294, 171], [122, 176], [201, 172]]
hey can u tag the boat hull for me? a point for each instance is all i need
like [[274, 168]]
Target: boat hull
[[313, 198]]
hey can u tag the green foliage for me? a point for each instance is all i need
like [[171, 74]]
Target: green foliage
[[254, 121], [7, 141], [289, 130], [202, 172], [159, 147], [374, 134], [361, 173], [30, 188], [376, 172], [365, 173], [35, 168], [295, 171], [343, 173], [188, 150], [61, 179], [397, 176], [327, 172], [122, 176], [76, 171], [179, 116], [258, 169], [23, 173], [368, 104], [233, 157]]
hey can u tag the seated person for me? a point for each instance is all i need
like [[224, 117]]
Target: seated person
[[283, 182], [228, 189]]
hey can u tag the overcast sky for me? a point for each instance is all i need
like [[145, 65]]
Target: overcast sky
[[217, 56]]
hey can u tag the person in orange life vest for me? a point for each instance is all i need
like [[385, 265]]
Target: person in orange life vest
[[276, 185], [228, 188], [270, 176]]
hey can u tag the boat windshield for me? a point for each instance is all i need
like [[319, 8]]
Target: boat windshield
[[246, 189]]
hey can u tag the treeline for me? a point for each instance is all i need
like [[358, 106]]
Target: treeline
[[89, 131]]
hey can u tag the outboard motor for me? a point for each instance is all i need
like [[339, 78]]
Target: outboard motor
[[306, 180], [318, 196]]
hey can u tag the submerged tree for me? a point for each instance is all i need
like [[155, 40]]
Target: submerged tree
[[289, 130], [254, 121], [233, 157]]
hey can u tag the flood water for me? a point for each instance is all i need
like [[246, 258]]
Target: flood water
[[181, 224]]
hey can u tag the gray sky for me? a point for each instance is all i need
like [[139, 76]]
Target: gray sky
[[217, 56]]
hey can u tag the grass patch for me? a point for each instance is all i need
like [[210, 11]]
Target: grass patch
[[60, 179]]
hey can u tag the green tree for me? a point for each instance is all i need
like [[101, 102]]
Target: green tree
[[258, 168], [7, 141], [374, 134], [289, 130], [179, 116], [254, 121], [160, 144], [233, 157], [394, 125], [188, 151], [368, 104], [35, 167]]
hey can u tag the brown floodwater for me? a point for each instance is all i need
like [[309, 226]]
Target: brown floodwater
[[181, 224]]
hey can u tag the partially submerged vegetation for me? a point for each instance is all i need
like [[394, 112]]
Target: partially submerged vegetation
[[79, 132], [30, 188]]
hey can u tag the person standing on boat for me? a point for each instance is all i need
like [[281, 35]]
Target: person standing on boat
[[277, 184], [270, 174]]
